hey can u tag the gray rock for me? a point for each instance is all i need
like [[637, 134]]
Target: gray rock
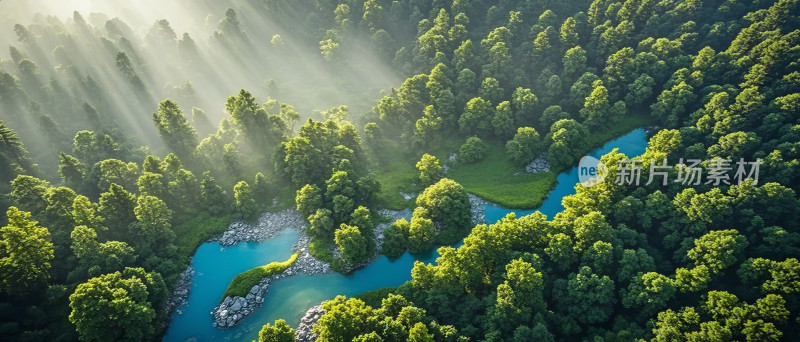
[[236, 306], [304, 331], [540, 164]]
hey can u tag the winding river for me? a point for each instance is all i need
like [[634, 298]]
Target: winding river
[[290, 297]]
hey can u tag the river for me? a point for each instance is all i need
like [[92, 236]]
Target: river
[[290, 297]]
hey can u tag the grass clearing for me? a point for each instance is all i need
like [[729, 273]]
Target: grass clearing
[[242, 283], [198, 229], [497, 180], [494, 179], [397, 175]]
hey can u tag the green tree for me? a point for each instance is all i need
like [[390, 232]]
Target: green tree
[[328, 48], [574, 62], [154, 219], [419, 333], [71, 171], [463, 56], [395, 241], [421, 232], [596, 109], [25, 253], [649, 292], [502, 122], [372, 15], [718, 249], [447, 202], [490, 90], [473, 150], [277, 42], [427, 126], [280, 332], [261, 128], [214, 199], [524, 101], [115, 171], [477, 117], [245, 203], [671, 105], [587, 297], [361, 218], [117, 207], [640, 91], [430, 170], [84, 212], [321, 222], [152, 184], [524, 147], [176, 131], [308, 199], [569, 140], [351, 243], [551, 115], [113, 307]]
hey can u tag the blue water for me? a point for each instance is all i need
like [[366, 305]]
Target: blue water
[[290, 297], [631, 144]]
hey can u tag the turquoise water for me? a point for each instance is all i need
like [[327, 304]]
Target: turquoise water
[[290, 297], [631, 144]]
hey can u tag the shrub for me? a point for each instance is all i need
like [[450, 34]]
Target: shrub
[[473, 150]]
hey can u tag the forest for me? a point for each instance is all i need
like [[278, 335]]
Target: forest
[[132, 133]]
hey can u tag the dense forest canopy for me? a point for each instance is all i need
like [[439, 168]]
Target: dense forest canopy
[[131, 132]]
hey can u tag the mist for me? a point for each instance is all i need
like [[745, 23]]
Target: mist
[[122, 58]]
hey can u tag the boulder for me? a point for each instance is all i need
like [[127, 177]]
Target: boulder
[[236, 306]]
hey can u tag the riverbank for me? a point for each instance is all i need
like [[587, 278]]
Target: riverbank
[[305, 329], [291, 297], [266, 227]]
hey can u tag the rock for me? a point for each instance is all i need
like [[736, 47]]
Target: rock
[[180, 295], [408, 196], [268, 226], [236, 306], [540, 164], [478, 209], [304, 332]]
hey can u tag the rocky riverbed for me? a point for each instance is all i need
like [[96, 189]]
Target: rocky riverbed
[[267, 226], [304, 331], [234, 309], [478, 209], [180, 295]]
